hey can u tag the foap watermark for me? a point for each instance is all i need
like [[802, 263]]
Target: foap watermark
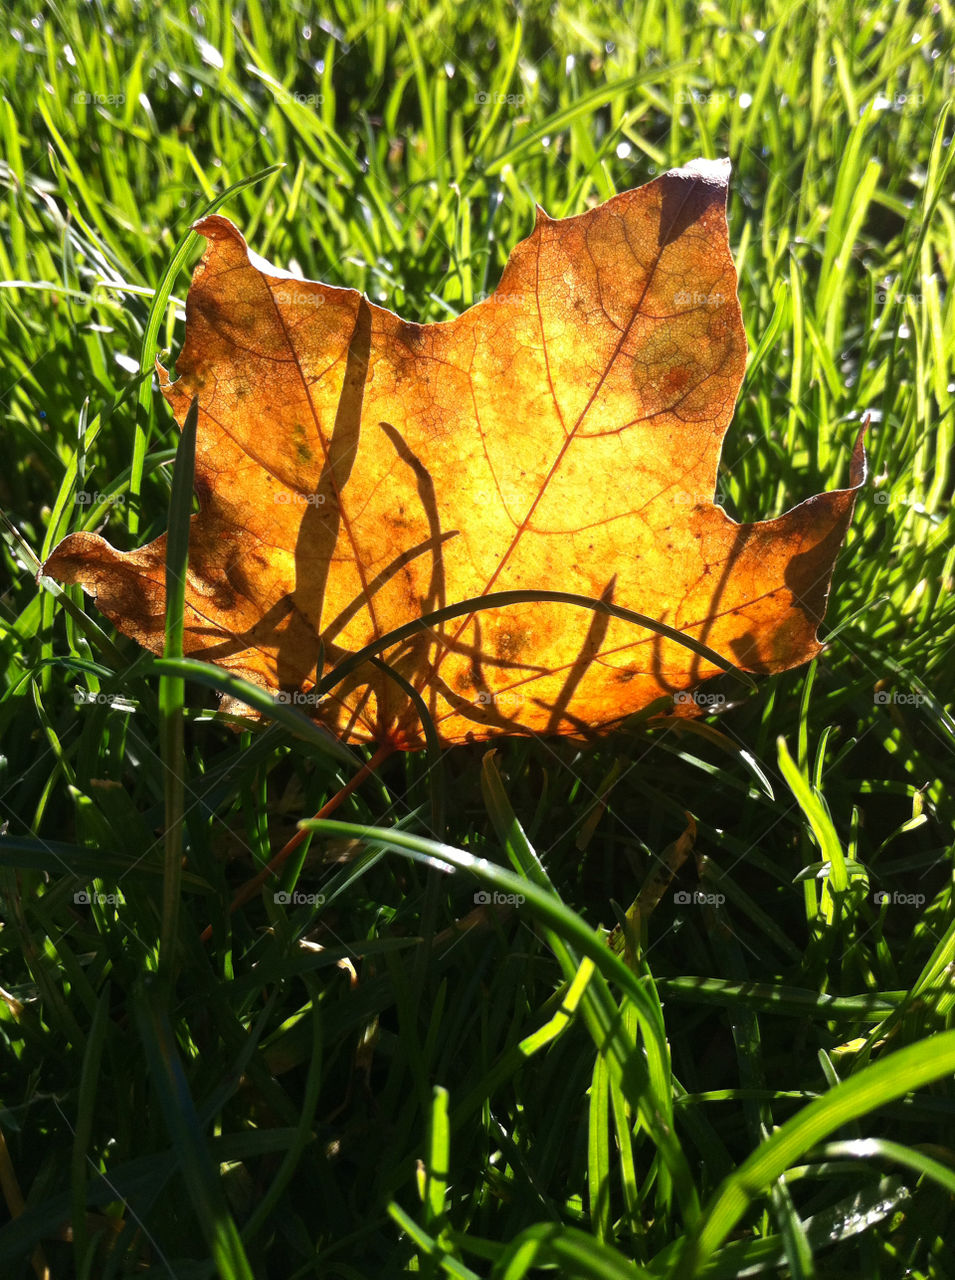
[[884, 296], [286, 99], [83, 99], [502, 699], [882, 898], [296, 698], [89, 698], [685, 499], [698, 698], [695, 298], [91, 897], [499, 99], [898, 102], [697, 898], [296, 898], [485, 898], [299, 298], [284, 498], [885, 499], [503, 299], [686, 97], [86, 498], [893, 698]]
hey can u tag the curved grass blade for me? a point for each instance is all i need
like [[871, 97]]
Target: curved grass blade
[[213, 677], [644, 1083], [882, 1149], [894, 1076], [500, 600], [571, 1251]]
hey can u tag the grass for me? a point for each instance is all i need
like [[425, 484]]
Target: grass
[[377, 1076]]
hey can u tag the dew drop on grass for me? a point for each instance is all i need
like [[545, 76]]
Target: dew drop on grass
[[209, 54]]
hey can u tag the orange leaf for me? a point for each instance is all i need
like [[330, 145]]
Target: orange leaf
[[356, 471]]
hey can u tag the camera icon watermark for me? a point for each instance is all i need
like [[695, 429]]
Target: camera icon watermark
[[499, 99], [91, 897], [485, 898], [87, 698], [503, 299], [697, 898], [687, 97], [296, 698], [698, 698], [882, 898], [685, 499], [283, 898], [503, 699], [86, 498], [892, 697], [882, 498], [286, 99], [898, 102], [83, 99], [285, 499], [694, 298], [299, 298]]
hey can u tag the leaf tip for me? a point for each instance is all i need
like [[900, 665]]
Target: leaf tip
[[859, 466], [215, 227]]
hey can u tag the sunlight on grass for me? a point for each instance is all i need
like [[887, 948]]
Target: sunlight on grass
[[418, 1047]]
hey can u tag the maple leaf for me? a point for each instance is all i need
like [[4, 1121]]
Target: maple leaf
[[356, 471]]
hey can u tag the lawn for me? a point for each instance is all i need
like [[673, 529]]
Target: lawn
[[365, 1064]]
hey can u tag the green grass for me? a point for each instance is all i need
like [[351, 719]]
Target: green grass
[[375, 1078]]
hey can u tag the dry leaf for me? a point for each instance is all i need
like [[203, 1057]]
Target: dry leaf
[[356, 471]]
